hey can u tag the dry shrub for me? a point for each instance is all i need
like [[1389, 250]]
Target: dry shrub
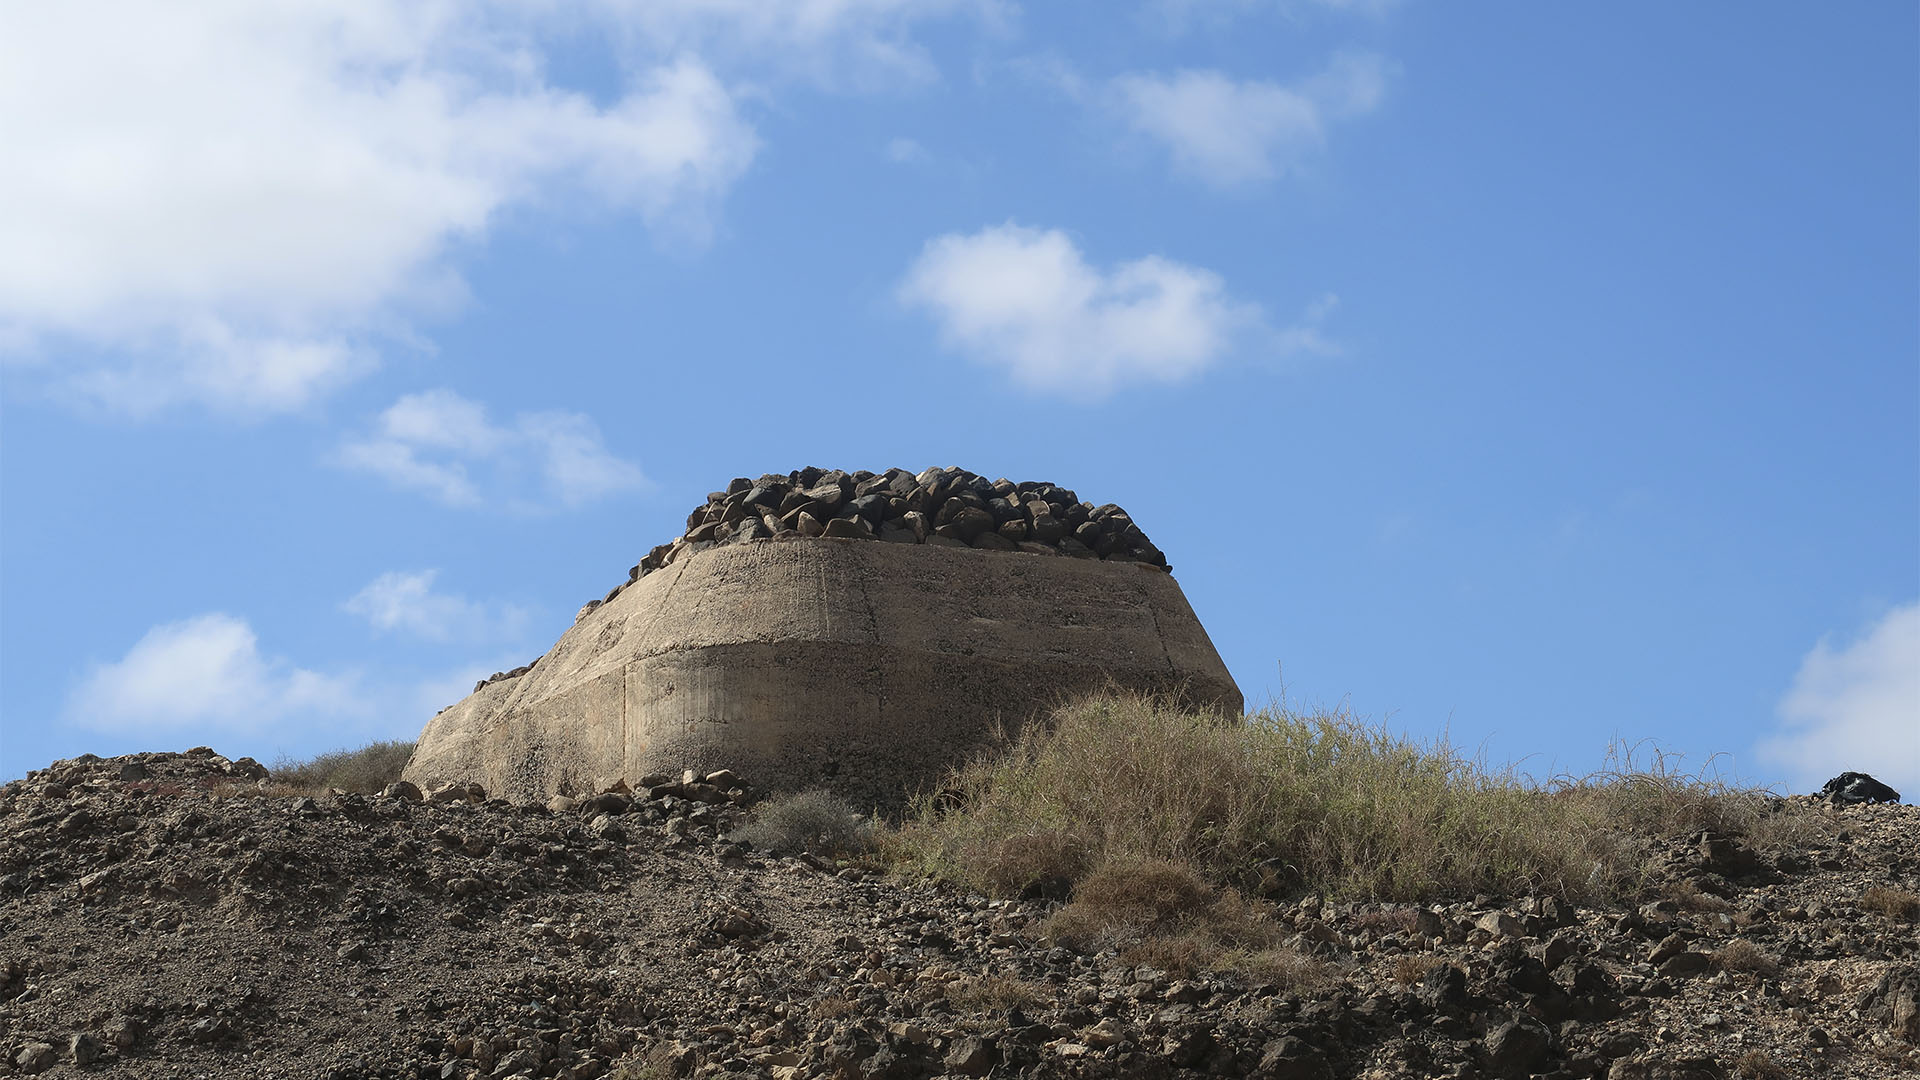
[[1690, 897], [1642, 791], [1163, 914], [1197, 952], [1185, 954], [1756, 1065], [816, 821], [1282, 800], [1289, 969], [1121, 903], [1387, 921], [1410, 968], [1741, 955], [1039, 863], [993, 993], [1126, 904], [1893, 903], [833, 1006], [365, 770]]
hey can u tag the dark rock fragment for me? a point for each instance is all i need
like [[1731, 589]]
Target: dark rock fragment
[[1851, 788], [1519, 1047], [971, 1055]]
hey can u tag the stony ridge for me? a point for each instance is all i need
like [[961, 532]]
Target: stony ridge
[[173, 915], [950, 507]]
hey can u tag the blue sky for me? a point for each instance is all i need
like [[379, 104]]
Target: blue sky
[[1538, 374]]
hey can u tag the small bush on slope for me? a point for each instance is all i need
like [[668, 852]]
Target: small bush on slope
[[1893, 903], [367, 769], [1284, 802], [816, 821], [1651, 797], [1165, 916]]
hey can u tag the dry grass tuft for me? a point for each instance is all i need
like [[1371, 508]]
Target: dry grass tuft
[[1164, 915], [1691, 897], [993, 993], [1197, 951], [1756, 1065], [1893, 903], [1183, 954], [365, 770], [1122, 903], [1388, 921], [1290, 970], [1741, 955], [1282, 801], [1641, 791], [1410, 968], [1036, 864], [833, 1006]]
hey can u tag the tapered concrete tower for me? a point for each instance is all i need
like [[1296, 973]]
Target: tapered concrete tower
[[868, 668]]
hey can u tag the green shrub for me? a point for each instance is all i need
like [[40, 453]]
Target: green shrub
[[367, 769], [816, 821]]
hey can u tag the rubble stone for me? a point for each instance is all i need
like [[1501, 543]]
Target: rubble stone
[[383, 938]]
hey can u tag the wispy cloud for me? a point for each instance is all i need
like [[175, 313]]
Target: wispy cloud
[[405, 603], [226, 203], [1855, 707], [206, 673], [851, 44], [905, 151], [1231, 133], [1028, 301], [207, 678], [1179, 16], [444, 445]]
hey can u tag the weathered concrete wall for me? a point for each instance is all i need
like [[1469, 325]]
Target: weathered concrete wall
[[853, 665]]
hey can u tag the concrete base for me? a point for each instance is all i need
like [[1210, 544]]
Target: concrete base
[[864, 667]]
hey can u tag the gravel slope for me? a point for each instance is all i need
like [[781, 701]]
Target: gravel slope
[[163, 915]]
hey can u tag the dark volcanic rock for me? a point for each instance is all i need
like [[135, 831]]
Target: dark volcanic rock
[[1856, 787], [188, 922]]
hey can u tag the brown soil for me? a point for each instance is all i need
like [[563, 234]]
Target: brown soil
[[192, 922]]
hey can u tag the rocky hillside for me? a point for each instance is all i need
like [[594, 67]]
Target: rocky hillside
[[171, 915]]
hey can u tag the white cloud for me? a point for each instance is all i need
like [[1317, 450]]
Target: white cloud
[[205, 673], [428, 441], [865, 43], [1179, 15], [1231, 133], [904, 151], [1855, 708], [406, 603], [1027, 300], [210, 364], [223, 202]]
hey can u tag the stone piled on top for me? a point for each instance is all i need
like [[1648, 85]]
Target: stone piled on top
[[940, 507], [943, 507]]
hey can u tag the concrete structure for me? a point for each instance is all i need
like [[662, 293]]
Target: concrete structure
[[860, 666]]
